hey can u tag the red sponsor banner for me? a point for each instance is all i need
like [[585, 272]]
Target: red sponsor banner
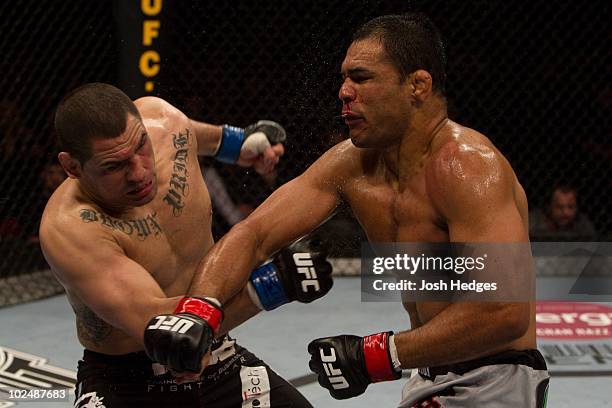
[[573, 321]]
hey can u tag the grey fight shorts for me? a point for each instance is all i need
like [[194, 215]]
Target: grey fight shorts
[[508, 379]]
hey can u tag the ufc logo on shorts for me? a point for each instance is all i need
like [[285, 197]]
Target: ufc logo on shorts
[[304, 265], [172, 323], [333, 374]]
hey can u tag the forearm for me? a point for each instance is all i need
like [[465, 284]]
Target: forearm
[[208, 137], [280, 220], [133, 319], [238, 310], [225, 269], [461, 332]]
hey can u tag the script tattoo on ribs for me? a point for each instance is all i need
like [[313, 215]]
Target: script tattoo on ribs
[[141, 228], [179, 188], [90, 327]]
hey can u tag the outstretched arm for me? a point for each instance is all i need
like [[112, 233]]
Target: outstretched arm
[[292, 211]]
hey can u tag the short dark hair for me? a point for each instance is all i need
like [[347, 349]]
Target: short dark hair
[[412, 42], [564, 188], [93, 110]]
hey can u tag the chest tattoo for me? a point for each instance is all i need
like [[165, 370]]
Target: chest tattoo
[[141, 228], [179, 188]]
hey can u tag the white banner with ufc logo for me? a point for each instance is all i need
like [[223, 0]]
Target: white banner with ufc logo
[[255, 387]]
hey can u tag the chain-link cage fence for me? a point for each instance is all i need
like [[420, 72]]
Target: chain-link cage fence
[[532, 76], [528, 75], [47, 49]]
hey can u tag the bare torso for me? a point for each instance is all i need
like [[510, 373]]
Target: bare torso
[[168, 236], [393, 209]]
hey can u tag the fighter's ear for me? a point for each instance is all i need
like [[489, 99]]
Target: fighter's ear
[[421, 83], [71, 166]]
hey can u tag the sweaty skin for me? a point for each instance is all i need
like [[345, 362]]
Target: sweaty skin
[[410, 175], [121, 261]]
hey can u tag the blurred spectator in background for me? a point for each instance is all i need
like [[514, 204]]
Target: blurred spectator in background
[[560, 218]]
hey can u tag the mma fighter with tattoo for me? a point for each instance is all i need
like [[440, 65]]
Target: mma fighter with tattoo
[[125, 233]]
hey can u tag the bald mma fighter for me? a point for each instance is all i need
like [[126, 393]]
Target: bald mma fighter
[[125, 233], [410, 175]]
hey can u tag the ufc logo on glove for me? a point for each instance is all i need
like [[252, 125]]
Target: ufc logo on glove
[[336, 379], [298, 272], [171, 323], [304, 264]]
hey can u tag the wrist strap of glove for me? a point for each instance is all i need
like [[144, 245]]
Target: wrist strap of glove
[[268, 286], [378, 358], [203, 308], [397, 364], [232, 138]]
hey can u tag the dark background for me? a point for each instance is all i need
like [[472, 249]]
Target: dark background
[[532, 76]]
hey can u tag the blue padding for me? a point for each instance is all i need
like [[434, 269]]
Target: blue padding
[[231, 142], [268, 286]]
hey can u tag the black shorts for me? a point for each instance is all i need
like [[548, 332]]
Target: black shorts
[[132, 380]]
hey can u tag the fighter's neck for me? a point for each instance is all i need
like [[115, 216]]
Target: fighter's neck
[[409, 156], [87, 195]]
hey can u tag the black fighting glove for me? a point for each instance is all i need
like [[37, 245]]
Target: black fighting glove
[[256, 138], [180, 340], [346, 365], [299, 272]]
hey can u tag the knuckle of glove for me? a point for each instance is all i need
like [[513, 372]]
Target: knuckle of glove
[[274, 131], [190, 352], [157, 342], [324, 269], [326, 284], [308, 243], [313, 347], [315, 366]]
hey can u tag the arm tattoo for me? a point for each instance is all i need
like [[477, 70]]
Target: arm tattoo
[[141, 228], [179, 188], [89, 326]]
